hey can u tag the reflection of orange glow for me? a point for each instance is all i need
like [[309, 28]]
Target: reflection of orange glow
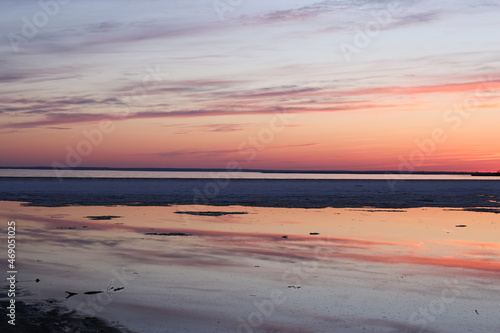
[[470, 243], [376, 236]]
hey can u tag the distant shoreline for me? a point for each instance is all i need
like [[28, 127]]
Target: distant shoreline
[[376, 172]]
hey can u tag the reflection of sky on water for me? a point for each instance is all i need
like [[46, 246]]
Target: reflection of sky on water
[[372, 269]]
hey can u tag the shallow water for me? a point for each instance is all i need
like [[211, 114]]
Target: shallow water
[[367, 269]]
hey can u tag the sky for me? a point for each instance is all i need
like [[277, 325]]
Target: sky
[[298, 85]]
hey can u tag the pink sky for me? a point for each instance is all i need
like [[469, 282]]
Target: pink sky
[[267, 84]]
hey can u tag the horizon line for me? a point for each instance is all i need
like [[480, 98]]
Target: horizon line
[[241, 170]]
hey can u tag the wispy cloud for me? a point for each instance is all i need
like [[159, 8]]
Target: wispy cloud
[[416, 18], [52, 119], [52, 107], [434, 89], [307, 12]]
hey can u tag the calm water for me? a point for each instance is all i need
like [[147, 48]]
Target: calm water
[[337, 270], [222, 174]]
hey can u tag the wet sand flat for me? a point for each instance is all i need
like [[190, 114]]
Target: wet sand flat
[[337, 269]]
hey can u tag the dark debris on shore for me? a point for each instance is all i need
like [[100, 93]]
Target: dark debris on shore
[[51, 316], [103, 217], [166, 234], [208, 213]]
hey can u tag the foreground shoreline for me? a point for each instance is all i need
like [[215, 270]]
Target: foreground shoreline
[[51, 192], [50, 315]]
